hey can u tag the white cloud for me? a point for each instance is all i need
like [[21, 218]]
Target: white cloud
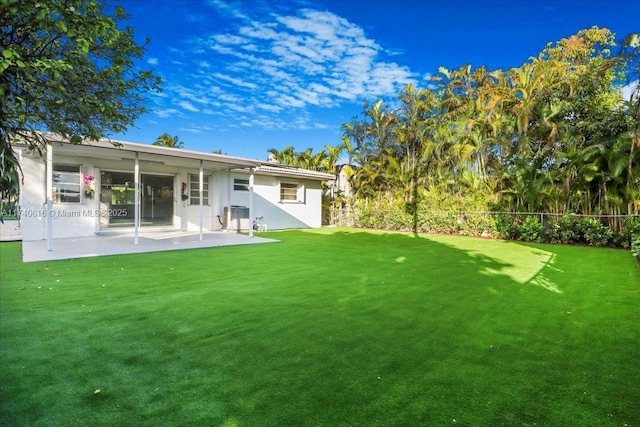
[[152, 61], [229, 39], [168, 112], [191, 130], [188, 106], [281, 65], [269, 107], [227, 7], [388, 78], [235, 81]]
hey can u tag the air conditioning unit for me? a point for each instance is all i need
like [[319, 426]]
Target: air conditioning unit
[[239, 219]]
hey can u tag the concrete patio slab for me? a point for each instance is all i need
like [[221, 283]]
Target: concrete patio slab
[[123, 243]]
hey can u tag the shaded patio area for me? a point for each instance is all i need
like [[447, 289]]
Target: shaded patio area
[[123, 243]]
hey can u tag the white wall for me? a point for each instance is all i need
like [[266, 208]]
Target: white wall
[[68, 219], [277, 214]]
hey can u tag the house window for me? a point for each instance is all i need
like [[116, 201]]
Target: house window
[[291, 192], [194, 189], [66, 183], [240, 184]]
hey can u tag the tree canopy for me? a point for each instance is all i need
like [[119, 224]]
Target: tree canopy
[[67, 67], [166, 140], [553, 135]]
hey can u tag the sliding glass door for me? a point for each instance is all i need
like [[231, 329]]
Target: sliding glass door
[[156, 207], [117, 199]]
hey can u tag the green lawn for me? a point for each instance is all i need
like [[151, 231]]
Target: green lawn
[[333, 327]]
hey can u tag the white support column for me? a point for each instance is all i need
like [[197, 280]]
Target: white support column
[[49, 190], [251, 216], [229, 187], [136, 202], [201, 195]]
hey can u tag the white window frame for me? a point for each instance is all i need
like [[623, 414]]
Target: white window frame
[[240, 184], [300, 195], [194, 189], [67, 184]]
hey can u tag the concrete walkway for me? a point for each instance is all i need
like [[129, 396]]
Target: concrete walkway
[[123, 243], [10, 230]]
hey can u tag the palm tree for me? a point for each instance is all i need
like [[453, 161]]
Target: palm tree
[[284, 157], [166, 140], [330, 161]]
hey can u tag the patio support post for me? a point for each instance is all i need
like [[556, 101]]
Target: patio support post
[[229, 187], [201, 196], [136, 202], [251, 202], [49, 190]]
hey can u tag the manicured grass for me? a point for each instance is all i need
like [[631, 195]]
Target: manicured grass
[[327, 328]]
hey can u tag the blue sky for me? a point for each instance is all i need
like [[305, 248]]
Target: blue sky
[[246, 76]]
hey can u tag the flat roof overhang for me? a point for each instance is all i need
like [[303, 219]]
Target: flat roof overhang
[[178, 157]]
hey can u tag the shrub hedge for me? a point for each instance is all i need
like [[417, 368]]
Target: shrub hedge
[[565, 229]]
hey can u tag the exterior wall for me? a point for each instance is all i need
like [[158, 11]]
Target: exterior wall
[[68, 219], [87, 217], [275, 213], [187, 213]]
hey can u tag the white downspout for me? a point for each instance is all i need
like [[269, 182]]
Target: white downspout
[[229, 187]]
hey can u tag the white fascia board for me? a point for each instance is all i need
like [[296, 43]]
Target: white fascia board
[[294, 172]]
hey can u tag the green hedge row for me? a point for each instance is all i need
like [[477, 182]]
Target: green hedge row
[[567, 229]]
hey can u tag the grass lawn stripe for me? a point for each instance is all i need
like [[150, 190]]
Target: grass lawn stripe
[[328, 327]]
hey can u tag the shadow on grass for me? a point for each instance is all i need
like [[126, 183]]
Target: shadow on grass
[[467, 256]]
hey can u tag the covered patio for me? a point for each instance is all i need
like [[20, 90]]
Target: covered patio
[[155, 240], [147, 176]]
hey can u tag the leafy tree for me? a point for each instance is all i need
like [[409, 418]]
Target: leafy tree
[[67, 67], [286, 156], [552, 135], [166, 140], [323, 161]]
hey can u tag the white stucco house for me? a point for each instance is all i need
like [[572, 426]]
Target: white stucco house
[[96, 187]]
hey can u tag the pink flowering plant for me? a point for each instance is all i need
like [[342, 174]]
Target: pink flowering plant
[[183, 190], [88, 181]]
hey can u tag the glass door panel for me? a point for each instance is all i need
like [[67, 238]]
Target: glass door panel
[[156, 207], [117, 199]]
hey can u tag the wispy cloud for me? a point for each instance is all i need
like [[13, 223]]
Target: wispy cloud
[[191, 130], [188, 106], [167, 112], [281, 65]]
